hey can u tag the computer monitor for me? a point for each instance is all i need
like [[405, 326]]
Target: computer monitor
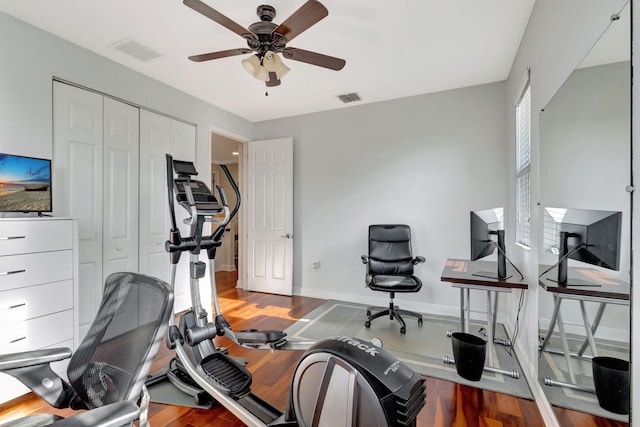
[[589, 236], [484, 225]]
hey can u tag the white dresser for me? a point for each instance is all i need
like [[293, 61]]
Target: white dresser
[[38, 289]]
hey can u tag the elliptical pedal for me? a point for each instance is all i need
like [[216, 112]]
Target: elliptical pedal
[[227, 374]]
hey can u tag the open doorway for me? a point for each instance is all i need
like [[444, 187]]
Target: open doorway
[[228, 151]]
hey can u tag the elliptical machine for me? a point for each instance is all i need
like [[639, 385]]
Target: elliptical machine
[[338, 381]]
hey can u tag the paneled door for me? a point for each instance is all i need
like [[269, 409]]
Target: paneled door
[[120, 187], [160, 135], [270, 211], [77, 185]]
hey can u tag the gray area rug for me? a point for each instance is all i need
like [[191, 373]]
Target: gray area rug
[[554, 366], [422, 347]]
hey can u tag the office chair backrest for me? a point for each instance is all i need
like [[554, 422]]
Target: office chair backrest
[[113, 360], [390, 249]]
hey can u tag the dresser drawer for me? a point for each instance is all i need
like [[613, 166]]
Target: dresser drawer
[[34, 301], [19, 237], [45, 331], [17, 271]]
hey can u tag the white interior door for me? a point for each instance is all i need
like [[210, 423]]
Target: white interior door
[[270, 216], [120, 222], [77, 184]]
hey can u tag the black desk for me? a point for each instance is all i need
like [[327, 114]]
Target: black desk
[[597, 286], [460, 273]]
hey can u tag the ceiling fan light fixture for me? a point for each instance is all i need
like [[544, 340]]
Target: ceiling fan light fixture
[[273, 63], [252, 64]]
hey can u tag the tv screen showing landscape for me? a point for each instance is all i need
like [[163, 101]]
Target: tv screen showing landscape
[[25, 184]]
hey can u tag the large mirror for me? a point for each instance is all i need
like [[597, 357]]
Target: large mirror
[[585, 157]]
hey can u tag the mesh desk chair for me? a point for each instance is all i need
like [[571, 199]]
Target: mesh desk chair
[[108, 370], [390, 269]]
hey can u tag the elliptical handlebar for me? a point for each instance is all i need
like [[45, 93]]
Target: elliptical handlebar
[[172, 211]]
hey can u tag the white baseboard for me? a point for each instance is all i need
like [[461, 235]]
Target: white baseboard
[[225, 267]]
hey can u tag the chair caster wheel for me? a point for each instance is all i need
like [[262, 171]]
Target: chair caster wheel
[[367, 324], [403, 330], [419, 322]]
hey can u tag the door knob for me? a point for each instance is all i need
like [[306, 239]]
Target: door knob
[[287, 236]]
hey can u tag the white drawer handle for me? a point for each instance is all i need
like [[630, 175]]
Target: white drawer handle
[[6, 273], [12, 237], [17, 340]]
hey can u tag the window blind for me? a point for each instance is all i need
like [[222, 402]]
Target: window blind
[[523, 167]]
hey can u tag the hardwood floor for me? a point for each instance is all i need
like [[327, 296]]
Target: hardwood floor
[[447, 403]]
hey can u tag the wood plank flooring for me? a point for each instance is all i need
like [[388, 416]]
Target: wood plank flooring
[[447, 404]]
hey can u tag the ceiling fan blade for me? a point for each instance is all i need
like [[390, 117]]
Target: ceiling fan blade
[[216, 16], [314, 58], [221, 54], [307, 15]]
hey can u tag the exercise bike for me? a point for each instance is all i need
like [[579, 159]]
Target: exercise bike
[[339, 380]]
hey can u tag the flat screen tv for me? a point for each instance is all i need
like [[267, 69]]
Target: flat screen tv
[[25, 184]]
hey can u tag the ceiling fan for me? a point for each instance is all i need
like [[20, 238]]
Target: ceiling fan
[[266, 40]]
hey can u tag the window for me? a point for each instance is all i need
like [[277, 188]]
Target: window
[[523, 166]]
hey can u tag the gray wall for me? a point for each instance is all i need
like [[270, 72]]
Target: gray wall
[[31, 57], [425, 161]]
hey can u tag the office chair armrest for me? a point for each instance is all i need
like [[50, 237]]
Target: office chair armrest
[[417, 260], [32, 358], [33, 369], [365, 259], [112, 415]]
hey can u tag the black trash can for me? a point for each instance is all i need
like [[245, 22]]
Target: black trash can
[[611, 380], [469, 353]]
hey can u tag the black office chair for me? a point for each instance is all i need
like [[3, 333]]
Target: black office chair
[[390, 269], [107, 372]]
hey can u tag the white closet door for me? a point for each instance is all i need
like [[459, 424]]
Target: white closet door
[[160, 135], [183, 147], [120, 184], [77, 184], [183, 141]]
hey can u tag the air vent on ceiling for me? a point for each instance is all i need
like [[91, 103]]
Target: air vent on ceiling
[[349, 97], [136, 49]]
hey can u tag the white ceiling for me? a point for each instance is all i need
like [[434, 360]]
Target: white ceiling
[[393, 49]]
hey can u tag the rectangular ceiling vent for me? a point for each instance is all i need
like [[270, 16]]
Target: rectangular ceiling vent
[[136, 49], [349, 97]]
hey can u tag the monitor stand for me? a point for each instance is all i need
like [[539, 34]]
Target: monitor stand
[[502, 262], [563, 265]]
